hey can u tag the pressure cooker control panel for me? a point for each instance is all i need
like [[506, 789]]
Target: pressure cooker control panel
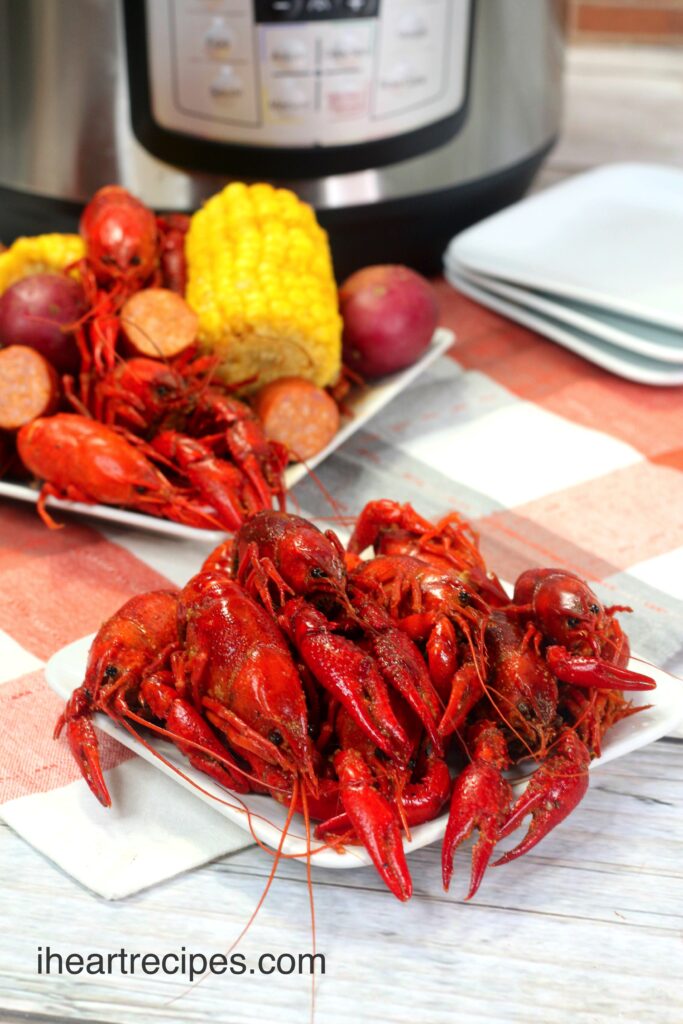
[[302, 73]]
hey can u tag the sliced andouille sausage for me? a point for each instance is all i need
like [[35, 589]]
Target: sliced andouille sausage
[[159, 323], [298, 414], [29, 386]]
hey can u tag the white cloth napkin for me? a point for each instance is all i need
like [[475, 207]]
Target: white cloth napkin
[[54, 588]]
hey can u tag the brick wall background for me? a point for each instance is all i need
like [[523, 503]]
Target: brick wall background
[[643, 21]]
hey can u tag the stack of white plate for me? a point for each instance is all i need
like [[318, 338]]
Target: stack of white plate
[[595, 263]]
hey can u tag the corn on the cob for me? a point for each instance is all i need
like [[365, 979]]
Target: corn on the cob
[[260, 279], [37, 254]]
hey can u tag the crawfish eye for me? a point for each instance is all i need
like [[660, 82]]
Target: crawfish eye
[[317, 573], [594, 608], [135, 261], [111, 672], [572, 622], [275, 736], [463, 598]]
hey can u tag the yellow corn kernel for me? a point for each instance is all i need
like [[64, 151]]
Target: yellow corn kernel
[[38, 254]]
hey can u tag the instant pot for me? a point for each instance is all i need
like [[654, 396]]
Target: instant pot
[[401, 121]]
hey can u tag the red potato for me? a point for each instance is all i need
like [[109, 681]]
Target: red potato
[[298, 414], [29, 386], [37, 311], [159, 323], [390, 314]]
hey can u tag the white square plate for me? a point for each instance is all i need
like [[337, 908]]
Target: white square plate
[[364, 404], [612, 237], [630, 365], [265, 818], [649, 340]]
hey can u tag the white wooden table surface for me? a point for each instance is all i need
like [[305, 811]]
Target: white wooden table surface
[[588, 928]]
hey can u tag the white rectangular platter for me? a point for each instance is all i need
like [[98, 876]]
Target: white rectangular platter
[[265, 818], [363, 403]]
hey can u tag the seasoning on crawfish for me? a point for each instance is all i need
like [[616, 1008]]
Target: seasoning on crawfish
[[339, 686]]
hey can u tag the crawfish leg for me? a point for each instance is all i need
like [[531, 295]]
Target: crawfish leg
[[69, 493], [442, 656], [256, 574], [185, 723], [240, 444], [466, 690], [240, 735]]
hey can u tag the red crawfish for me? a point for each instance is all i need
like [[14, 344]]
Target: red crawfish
[[121, 255], [439, 611], [381, 798], [146, 395], [237, 432], [277, 555], [160, 402], [125, 678], [582, 640], [82, 460], [235, 667], [121, 242], [523, 653], [554, 636], [394, 529]]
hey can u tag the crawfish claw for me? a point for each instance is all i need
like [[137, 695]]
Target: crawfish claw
[[594, 672], [481, 799], [375, 822], [553, 792], [80, 732]]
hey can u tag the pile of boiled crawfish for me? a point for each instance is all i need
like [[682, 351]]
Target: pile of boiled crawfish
[[161, 436], [369, 694]]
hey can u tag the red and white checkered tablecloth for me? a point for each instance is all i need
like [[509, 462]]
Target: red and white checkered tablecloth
[[557, 463]]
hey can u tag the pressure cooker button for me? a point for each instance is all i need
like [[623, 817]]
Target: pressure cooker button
[[226, 83], [347, 45], [288, 97], [361, 8], [219, 36], [397, 75], [319, 6], [412, 26], [278, 10], [401, 76], [289, 50]]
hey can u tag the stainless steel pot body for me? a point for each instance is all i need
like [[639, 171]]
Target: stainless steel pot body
[[66, 126]]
